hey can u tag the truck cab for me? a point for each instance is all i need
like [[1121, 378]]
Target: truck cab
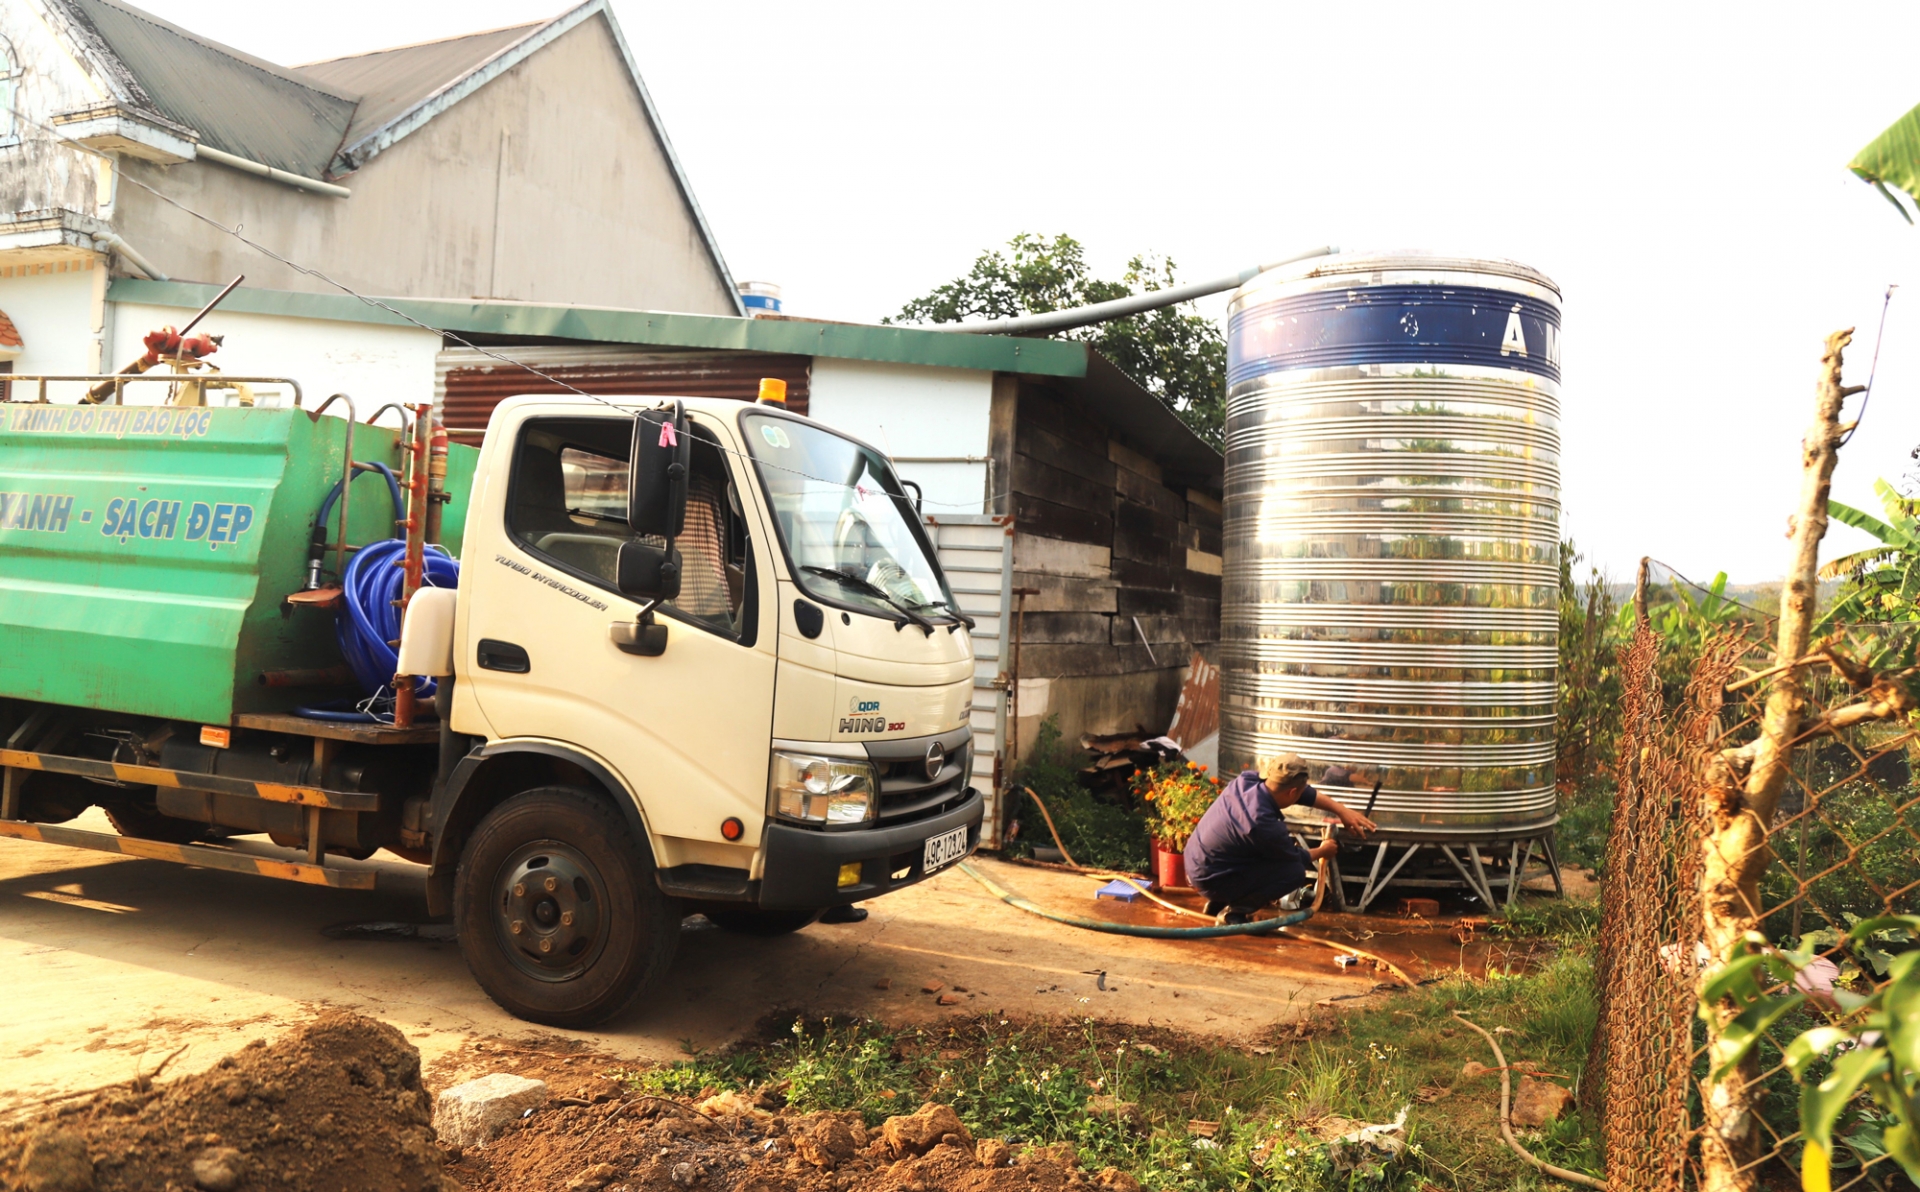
[[782, 729]]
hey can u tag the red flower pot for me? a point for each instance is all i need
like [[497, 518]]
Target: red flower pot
[[1169, 868]]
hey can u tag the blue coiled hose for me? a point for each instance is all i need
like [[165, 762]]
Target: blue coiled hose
[[370, 618], [333, 494]]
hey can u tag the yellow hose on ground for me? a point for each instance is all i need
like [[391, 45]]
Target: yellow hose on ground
[[1506, 1128]]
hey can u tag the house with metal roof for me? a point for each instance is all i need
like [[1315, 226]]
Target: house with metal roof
[[526, 164]]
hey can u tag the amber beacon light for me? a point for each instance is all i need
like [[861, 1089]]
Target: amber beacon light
[[773, 391]]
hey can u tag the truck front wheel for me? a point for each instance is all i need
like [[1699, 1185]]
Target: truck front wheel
[[557, 911]]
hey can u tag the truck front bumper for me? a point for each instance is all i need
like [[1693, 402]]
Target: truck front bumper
[[802, 867]]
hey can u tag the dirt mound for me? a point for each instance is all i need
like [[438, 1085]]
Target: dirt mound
[[334, 1105], [650, 1144]]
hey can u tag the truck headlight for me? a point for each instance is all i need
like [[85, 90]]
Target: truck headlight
[[829, 791]]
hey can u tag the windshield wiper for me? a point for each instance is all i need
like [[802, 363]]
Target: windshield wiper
[[588, 513], [859, 584], [959, 617]]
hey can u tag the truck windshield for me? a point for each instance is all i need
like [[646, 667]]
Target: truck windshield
[[848, 527]]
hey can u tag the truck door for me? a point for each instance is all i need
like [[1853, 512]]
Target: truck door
[[686, 730]]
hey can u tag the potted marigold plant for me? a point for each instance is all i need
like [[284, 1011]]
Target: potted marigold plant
[[1177, 794]]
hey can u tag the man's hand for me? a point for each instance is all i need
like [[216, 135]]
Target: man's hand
[[1326, 848], [1356, 822]]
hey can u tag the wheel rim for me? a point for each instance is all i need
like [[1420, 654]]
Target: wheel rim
[[550, 910]]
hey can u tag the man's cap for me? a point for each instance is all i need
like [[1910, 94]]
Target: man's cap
[[1287, 767]]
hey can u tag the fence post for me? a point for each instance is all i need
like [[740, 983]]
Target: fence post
[[1744, 785]]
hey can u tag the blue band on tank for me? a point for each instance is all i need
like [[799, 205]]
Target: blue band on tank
[[1423, 324]]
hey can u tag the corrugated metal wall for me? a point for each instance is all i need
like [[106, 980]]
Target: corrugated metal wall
[[468, 384]]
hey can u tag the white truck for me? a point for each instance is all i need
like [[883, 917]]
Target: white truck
[[701, 657]]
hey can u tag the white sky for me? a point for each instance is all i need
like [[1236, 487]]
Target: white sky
[[1678, 169]]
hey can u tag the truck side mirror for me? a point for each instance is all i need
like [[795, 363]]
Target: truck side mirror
[[647, 572], [657, 482]]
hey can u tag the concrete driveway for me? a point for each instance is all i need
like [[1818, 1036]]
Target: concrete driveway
[[113, 963]]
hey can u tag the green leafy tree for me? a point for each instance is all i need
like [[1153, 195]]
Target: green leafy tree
[[1174, 354]]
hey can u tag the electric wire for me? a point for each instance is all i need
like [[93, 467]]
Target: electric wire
[[1873, 370]]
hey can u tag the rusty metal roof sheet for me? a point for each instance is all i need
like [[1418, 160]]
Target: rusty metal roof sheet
[[392, 82], [236, 102]]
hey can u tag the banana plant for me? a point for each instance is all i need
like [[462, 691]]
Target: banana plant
[[1885, 579], [1874, 1039]]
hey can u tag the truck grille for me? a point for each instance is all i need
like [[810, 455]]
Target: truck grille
[[906, 792]]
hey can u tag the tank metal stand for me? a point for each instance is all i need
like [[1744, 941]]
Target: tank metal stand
[[1494, 879]]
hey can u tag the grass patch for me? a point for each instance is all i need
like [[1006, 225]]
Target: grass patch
[[1030, 1081], [1586, 814]]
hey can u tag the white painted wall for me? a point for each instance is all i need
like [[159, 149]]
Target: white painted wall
[[911, 410], [54, 314], [372, 364]]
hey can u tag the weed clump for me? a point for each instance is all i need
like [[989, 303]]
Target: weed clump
[[1189, 1115]]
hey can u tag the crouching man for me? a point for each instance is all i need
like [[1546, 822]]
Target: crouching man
[[1241, 855]]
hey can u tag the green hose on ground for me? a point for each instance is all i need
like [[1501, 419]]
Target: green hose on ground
[[1258, 927]]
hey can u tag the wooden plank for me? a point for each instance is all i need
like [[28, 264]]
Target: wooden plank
[[1189, 582], [1132, 460], [1203, 562], [1135, 487], [1148, 602], [1051, 411], [1061, 453], [1134, 574], [1067, 628], [193, 854], [1147, 535], [1038, 479], [362, 734], [1063, 594], [1047, 661], [1002, 426], [1055, 557], [1035, 516], [188, 780], [1205, 503]]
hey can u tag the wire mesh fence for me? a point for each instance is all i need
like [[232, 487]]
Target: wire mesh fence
[[1766, 820]]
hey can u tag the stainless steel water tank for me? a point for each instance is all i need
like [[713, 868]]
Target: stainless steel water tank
[[1392, 534]]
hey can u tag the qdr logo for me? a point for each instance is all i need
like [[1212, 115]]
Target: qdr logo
[[856, 705]]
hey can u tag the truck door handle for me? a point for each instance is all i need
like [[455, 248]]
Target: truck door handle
[[503, 656], [647, 638]]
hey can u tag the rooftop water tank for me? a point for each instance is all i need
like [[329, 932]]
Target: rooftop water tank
[[759, 297], [1392, 535]]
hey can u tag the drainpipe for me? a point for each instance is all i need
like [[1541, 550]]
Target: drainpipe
[[112, 240], [1120, 308], [248, 166]]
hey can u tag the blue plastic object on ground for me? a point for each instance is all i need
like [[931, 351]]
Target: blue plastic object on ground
[[1117, 889]]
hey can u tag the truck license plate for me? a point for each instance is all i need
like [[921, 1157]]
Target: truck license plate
[[944, 849]]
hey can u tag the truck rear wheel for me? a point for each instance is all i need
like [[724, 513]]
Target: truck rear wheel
[[134, 814], [557, 911], [754, 921]]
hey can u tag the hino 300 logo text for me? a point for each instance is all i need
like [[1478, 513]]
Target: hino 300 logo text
[[864, 716]]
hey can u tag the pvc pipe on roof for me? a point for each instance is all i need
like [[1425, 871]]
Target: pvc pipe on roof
[[113, 241], [249, 166], [1120, 308]]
